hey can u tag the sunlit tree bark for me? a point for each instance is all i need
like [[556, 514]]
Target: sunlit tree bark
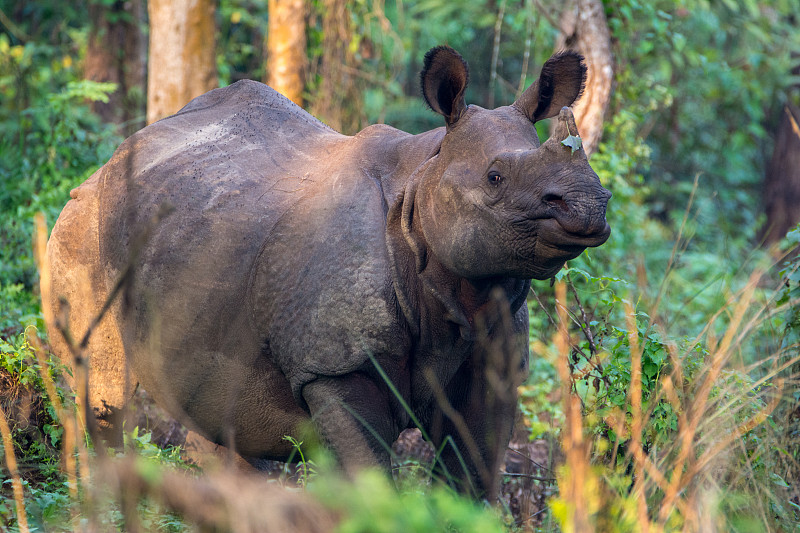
[[584, 28], [117, 52], [286, 48], [182, 61], [338, 99]]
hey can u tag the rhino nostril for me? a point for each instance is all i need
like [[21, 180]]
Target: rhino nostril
[[555, 200]]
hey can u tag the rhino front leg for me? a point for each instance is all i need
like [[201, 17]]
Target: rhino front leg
[[473, 420], [353, 416]]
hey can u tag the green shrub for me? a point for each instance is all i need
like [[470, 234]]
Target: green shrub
[[371, 504], [50, 142]]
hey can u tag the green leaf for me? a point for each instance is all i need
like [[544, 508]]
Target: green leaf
[[573, 142]]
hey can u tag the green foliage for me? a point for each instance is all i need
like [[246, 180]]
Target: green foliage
[[673, 377], [372, 504], [572, 142], [49, 143], [241, 30], [140, 442], [789, 297], [714, 77], [36, 431], [22, 379], [308, 468]]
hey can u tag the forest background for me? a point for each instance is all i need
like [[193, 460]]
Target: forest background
[[682, 348]]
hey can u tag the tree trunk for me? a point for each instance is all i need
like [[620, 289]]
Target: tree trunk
[[286, 48], [584, 29], [338, 98], [117, 52], [182, 54], [782, 180]]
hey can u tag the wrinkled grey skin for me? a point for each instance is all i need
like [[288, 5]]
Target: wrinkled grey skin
[[294, 253]]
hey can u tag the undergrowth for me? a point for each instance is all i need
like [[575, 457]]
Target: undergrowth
[[661, 433]]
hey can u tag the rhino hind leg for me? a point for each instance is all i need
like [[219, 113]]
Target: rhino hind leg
[[77, 293]]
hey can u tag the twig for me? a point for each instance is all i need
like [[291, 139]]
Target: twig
[[498, 28], [546, 14], [663, 286], [537, 513], [11, 462], [544, 308], [637, 422], [528, 476], [124, 277], [526, 55], [538, 465], [12, 28], [587, 332]]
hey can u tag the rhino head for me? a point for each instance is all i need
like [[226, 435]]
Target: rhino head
[[494, 201]]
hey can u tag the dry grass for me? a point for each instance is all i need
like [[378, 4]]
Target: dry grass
[[677, 488], [680, 487]]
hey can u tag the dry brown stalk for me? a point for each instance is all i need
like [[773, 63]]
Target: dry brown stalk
[[70, 420], [636, 426], [68, 441], [576, 449], [743, 428], [224, 500], [719, 355], [11, 462]]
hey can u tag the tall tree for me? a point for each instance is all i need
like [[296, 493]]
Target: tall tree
[[338, 100], [782, 180], [182, 61], [584, 28], [286, 48], [117, 52]]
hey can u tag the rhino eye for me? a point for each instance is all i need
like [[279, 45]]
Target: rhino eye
[[495, 178]]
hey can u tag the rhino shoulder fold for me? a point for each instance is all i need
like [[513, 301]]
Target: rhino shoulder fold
[[320, 288]]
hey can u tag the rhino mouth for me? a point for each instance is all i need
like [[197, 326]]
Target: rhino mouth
[[571, 242], [554, 245], [557, 245]]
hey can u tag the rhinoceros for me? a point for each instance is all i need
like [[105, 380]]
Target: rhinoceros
[[305, 275]]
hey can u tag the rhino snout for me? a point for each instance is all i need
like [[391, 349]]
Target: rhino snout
[[581, 215]]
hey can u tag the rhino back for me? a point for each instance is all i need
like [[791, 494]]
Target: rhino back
[[262, 194]]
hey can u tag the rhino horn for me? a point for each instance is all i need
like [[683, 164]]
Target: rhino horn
[[564, 127]]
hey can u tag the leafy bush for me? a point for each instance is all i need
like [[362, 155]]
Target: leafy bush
[[36, 431], [372, 504], [50, 142]]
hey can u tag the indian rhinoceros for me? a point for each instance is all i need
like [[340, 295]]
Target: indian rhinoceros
[[308, 275]]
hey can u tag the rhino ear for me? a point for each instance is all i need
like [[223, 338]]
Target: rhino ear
[[444, 78], [560, 84]]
